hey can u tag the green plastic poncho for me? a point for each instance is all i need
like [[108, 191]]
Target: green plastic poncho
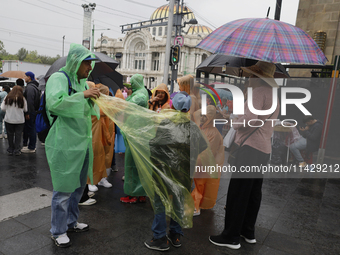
[[164, 147], [139, 96], [70, 136]]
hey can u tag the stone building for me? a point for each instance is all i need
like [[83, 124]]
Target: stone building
[[320, 19], [143, 50]]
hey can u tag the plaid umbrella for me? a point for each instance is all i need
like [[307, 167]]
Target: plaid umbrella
[[264, 39]]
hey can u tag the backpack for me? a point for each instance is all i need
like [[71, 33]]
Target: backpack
[[42, 123], [37, 100]]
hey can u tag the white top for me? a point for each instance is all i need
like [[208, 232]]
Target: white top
[[14, 114]]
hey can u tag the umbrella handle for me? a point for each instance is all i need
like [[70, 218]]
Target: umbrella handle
[[268, 12]]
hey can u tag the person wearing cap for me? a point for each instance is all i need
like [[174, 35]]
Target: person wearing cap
[[68, 144], [244, 191], [171, 154], [32, 95]]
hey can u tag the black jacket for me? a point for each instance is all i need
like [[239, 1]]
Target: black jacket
[[313, 136], [32, 95]]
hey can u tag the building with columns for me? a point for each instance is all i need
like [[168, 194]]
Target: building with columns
[[143, 50]]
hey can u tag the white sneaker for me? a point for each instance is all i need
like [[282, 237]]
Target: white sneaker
[[62, 240], [79, 227], [90, 193], [197, 212], [105, 183], [249, 240], [1, 136], [93, 188], [5, 136], [123, 178], [26, 150], [89, 201]]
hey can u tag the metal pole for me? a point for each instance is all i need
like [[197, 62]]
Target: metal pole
[[63, 44], [168, 41], [92, 48], [101, 40], [278, 9], [331, 95]]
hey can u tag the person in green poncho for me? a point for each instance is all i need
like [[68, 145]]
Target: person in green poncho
[[132, 185], [69, 142]]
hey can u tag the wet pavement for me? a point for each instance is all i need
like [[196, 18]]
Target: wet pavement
[[297, 216]]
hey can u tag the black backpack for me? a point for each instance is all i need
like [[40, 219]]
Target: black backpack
[[42, 123]]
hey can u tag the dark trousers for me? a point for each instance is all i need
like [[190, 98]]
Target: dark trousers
[[30, 134], [244, 196], [14, 133]]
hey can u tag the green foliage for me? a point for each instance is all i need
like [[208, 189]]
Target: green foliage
[[24, 55]]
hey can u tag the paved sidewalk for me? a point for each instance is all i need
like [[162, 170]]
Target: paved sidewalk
[[297, 216]]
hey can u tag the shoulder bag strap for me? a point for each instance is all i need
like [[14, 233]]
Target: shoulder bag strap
[[254, 131]]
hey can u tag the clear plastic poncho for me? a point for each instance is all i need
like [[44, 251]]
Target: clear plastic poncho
[[160, 144]]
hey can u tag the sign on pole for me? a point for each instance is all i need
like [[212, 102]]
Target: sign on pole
[[179, 40]]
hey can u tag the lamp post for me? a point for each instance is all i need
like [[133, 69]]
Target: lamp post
[[63, 44], [92, 47]]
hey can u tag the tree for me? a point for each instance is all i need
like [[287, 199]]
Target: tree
[[22, 53], [33, 57]]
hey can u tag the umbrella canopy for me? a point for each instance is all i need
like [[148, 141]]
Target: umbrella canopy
[[104, 65], [221, 92], [113, 80], [214, 64], [14, 74], [264, 39]]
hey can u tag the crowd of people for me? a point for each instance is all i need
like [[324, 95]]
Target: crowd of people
[[83, 138]]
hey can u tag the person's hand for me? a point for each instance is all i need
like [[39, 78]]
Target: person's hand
[[129, 92], [155, 99], [304, 128], [92, 93], [27, 116]]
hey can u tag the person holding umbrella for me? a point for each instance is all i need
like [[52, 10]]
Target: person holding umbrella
[[244, 192]]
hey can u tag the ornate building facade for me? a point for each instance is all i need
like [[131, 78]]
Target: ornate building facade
[[143, 50]]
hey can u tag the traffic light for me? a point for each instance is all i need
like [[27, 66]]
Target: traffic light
[[175, 53]]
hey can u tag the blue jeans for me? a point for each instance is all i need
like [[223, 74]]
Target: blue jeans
[[295, 148], [159, 223], [30, 134], [65, 210], [2, 116]]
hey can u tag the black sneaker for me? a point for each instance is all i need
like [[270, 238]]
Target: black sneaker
[[175, 239], [222, 241], [160, 244]]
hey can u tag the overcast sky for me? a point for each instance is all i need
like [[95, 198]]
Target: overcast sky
[[41, 24]]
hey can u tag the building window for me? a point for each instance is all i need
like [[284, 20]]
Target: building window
[[165, 31], [156, 65], [160, 31], [154, 31], [155, 61], [139, 56]]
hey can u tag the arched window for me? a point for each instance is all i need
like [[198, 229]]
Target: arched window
[[140, 56]]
